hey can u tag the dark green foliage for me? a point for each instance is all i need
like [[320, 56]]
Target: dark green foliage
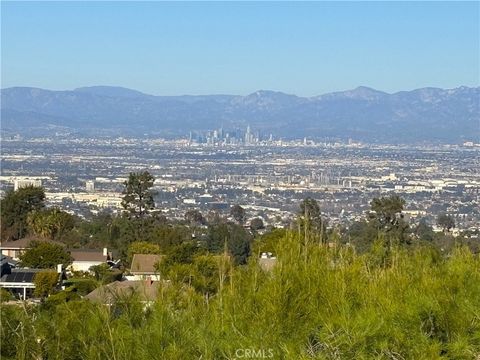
[[81, 286], [446, 222], [112, 275], [138, 196], [181, 254], [17, 339], [103, 230], [105, 275], [170, 235], [424, 232], [51, 223], [386, 211], [386, 215], [59, 298], [214, 218], [256, 224], [138, 203], [15, 207], [233, 236], [9, 320], [239, 247], [207, 272], [121, 231], [310, 209], [45, 255], [310, 222], [238, 213], [361, 235], [203, 272], [194, 217], [391, 295]]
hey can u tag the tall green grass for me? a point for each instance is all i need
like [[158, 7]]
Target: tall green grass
[[317, 303]]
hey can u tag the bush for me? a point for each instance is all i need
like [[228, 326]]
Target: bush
[[317, 302], [5, 295], [45, 282], [81, 286], [44, 255], [105, 275]]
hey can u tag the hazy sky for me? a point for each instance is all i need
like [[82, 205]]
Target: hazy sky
[[237, 48]]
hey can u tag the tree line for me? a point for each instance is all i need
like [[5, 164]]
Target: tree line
[[23, 212]]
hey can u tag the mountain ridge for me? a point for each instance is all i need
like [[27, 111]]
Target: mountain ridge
[[425, 114]]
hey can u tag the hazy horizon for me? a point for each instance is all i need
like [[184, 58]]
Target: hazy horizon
[[305, 49], [244, 94]]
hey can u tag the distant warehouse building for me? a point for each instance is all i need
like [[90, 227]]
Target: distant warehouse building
[[19, 184]]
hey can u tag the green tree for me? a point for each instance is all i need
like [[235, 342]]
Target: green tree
[[309, 208], [194, 217], [362, 234], [45, 283], [256, 224], [141, 247], [81, 286], [15, 207], [310, 220], [45, 255], [237, 240], [238, 213], [424, 231], [168, 235], [213, 217], [105, 274], [386, 215], [138, 203], [446, 222], [181, 254], [206, 273], [269, 241], [51, 223], [386, 211], [138, 196]]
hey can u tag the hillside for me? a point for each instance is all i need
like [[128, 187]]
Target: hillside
[[428, 114]]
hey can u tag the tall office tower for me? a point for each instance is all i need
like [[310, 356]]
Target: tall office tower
[[90, 185]]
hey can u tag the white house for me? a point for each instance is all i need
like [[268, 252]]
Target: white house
[[83, 259], [143, 267]]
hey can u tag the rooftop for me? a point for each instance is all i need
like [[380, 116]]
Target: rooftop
[[144, 264], [146, 290], [25, 243], [88, 255]]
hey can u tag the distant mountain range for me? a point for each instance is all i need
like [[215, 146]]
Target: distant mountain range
[[427, 114]]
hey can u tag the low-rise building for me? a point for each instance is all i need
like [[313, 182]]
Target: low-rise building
[[84, 259], [145, 290], [15, 248], [143, 267]]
